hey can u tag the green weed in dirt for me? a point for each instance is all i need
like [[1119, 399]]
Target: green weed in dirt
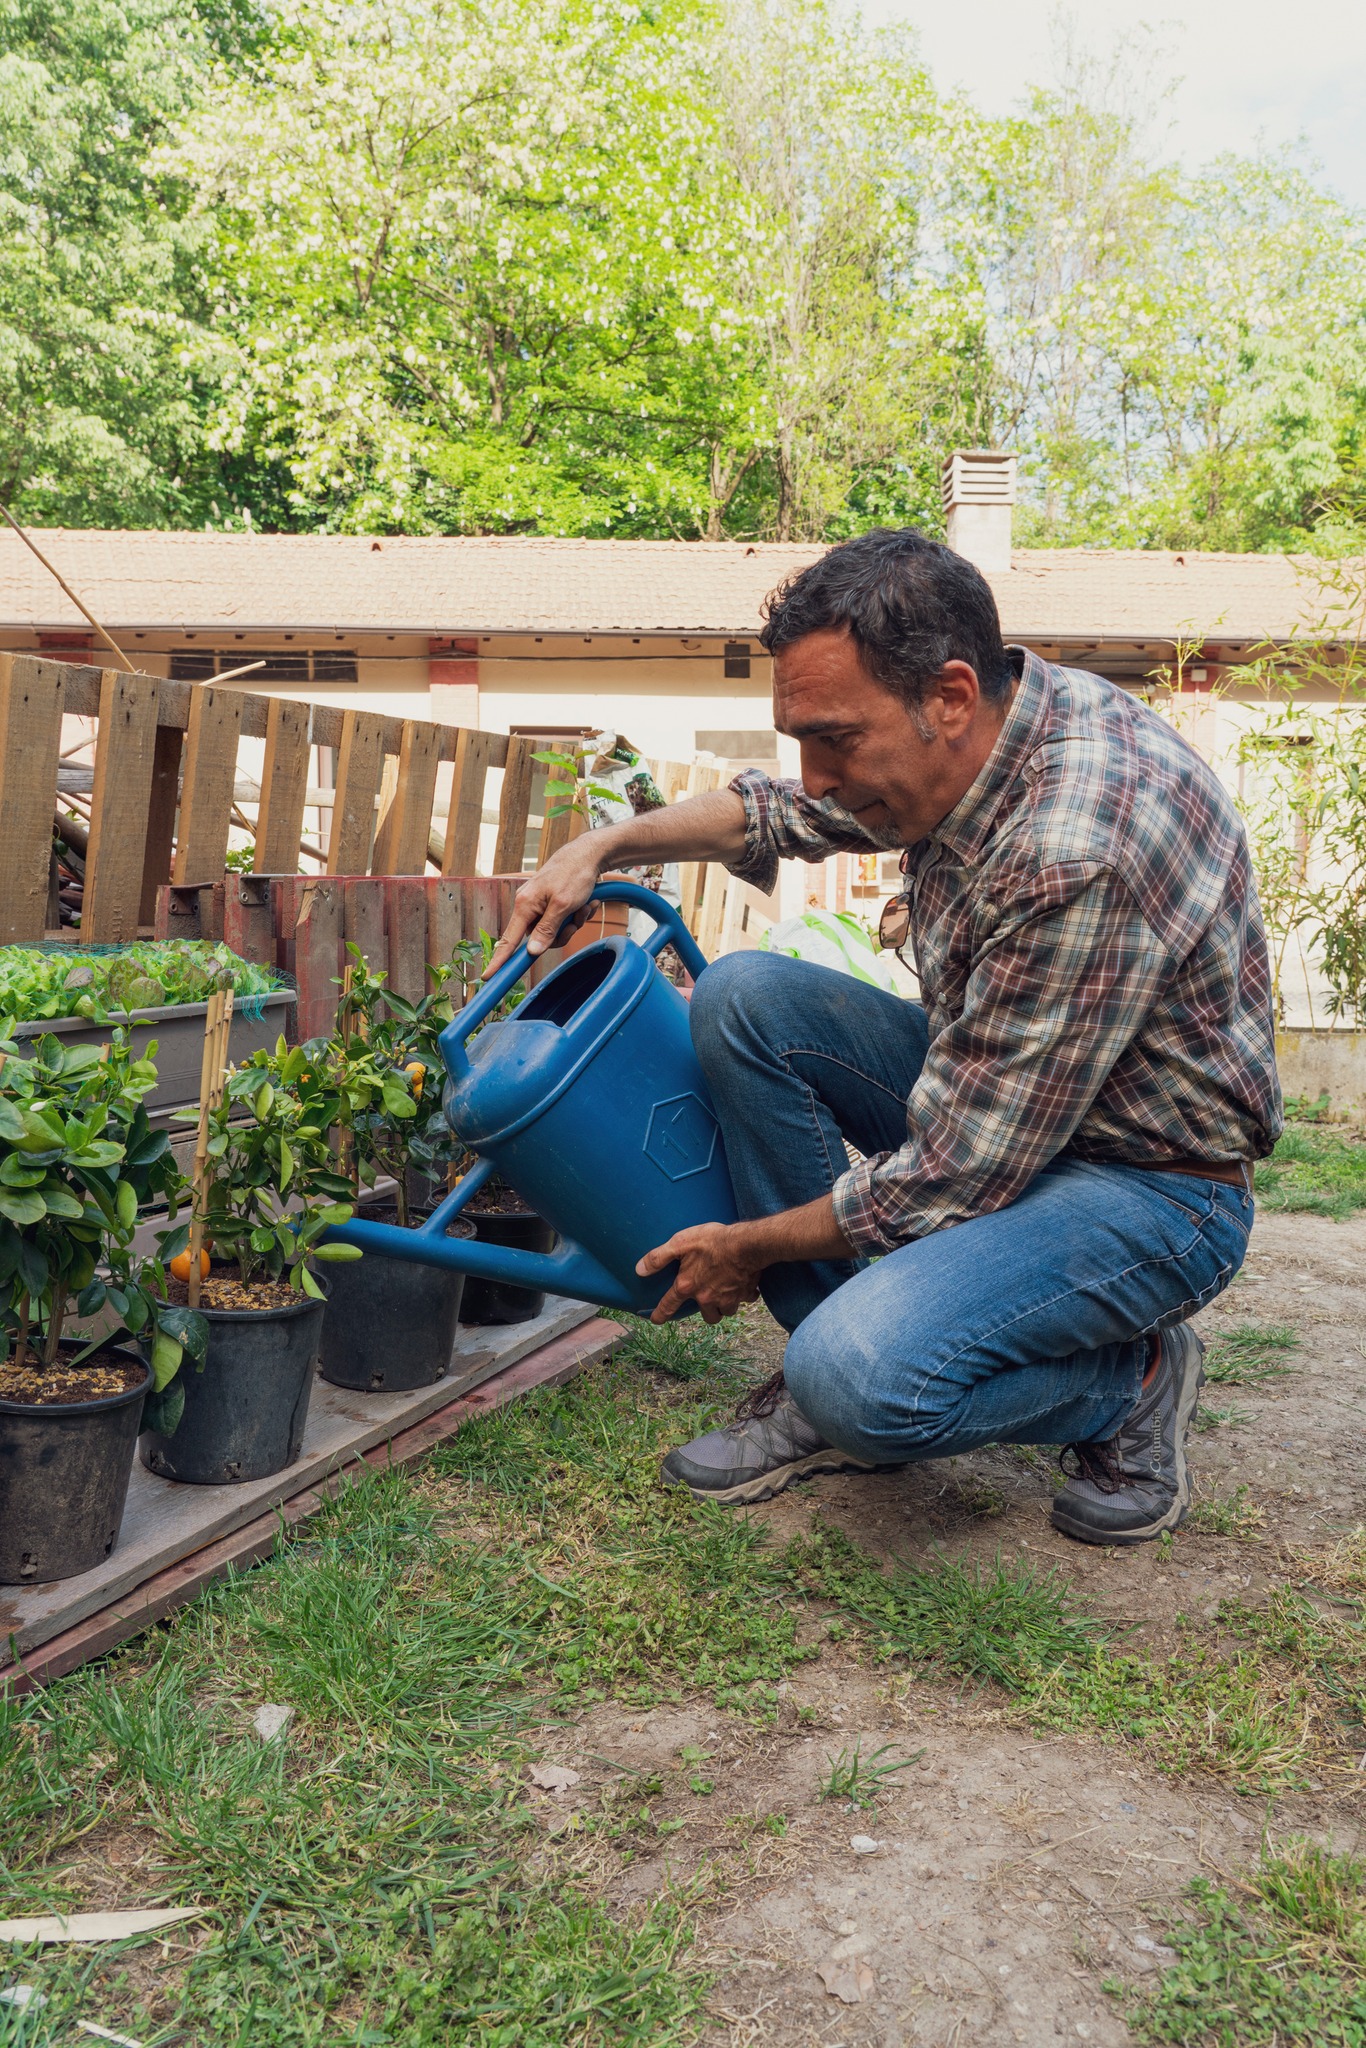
[[1250, 1352], [1232, 1514], [1314, 1170], [859, 1779], [1278, 1960]]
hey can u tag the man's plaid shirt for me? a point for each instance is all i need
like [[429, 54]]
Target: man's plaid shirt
[[1091, 959]]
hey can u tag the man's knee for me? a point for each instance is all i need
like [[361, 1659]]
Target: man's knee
[[732, 1000], [837, 1370]]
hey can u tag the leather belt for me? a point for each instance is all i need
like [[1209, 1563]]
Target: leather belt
[[1234, 1173]]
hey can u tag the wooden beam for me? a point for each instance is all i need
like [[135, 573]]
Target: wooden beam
[[120, 808], [206, 794], [31, 706], [360, 763], [474, 755], [692, 874], [401, 840], [510, 850], [284, 787], [159, 845]]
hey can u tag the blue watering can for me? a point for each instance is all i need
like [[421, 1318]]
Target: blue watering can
[[589, 1101]]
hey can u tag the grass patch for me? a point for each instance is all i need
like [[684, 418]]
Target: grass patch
[[1314, 1170], [1281, 1959], [1250, 1352], [1264, 1711], [379, 1875], [1232, 1515], [637, 1589], [373, 1877], [689, 1351]]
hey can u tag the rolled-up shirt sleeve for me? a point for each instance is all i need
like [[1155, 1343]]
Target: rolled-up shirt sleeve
[[1056, 993], [783, 823]]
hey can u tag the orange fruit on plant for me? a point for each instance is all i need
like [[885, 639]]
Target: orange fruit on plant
[[417, 1074], [180, 1266]]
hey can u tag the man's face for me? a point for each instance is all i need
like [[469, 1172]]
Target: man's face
[[890, 766]]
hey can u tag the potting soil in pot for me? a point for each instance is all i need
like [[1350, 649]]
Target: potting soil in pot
[[55, 1386], [67, 1435], [391, 1325]]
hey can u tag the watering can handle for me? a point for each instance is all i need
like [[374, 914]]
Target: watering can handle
[[669, 930]]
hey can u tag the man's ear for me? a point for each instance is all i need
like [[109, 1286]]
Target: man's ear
[[959, 694]]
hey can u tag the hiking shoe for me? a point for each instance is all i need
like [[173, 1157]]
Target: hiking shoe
[[769, 1444], [1134, 1486]]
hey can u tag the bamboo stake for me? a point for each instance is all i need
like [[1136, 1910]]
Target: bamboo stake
[[212, 1075], [33, 547]]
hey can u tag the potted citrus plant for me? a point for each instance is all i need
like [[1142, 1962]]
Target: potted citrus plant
[[270, 1189], [78, 1160], [391, 1326]]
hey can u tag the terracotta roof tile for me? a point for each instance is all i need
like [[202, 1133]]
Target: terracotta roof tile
[[199, 582]]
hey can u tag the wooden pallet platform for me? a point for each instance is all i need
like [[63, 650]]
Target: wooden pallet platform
[[175, 1539]]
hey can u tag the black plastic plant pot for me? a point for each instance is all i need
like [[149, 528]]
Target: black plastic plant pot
[[391, 1326], [493, 1301], [245, 1410], [64, 1474]]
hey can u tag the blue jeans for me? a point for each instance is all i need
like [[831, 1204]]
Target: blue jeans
[[1027, 1325]]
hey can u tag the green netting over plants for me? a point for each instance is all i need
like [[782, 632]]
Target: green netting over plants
[[103, 982]]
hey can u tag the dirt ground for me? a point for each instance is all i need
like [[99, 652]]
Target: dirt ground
[[1013, 1874]]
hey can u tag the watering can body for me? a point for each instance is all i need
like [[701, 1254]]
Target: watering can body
[[589, 1102]]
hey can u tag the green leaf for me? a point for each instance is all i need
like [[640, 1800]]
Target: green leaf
[[162, 1410], [126, 1203], [22, 1205], [187, 1325], [339, 1254], [19, 1171], [309, 1284], [286, 1166], [263, 1239], [60, 1202], [165, 1360]]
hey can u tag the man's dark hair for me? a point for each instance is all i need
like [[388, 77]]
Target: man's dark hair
[[909, 603]]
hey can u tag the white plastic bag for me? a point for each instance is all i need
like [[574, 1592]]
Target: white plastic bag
[[832, 938]]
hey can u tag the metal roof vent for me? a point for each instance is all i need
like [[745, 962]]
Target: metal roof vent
[[979, 492]]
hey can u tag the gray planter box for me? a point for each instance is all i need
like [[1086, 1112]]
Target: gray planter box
[[178, 1029]]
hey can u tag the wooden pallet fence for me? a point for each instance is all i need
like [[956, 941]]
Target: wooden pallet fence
[[163, 802]]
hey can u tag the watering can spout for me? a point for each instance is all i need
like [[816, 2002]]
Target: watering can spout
[[589, 1103]]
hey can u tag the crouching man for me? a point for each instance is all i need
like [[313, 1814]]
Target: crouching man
[[1055, 1146]]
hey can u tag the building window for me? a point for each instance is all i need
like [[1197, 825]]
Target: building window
[[737, 660], [294, 665]]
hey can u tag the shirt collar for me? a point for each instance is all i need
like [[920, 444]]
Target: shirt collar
[[965, 829]]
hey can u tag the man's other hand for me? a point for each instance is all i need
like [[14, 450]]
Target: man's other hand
[[548, 899], [716, 1269]]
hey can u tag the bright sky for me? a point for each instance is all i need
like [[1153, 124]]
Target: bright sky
[[1287, 69]]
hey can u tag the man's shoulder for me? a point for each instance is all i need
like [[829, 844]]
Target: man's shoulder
[[1111, 785]]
